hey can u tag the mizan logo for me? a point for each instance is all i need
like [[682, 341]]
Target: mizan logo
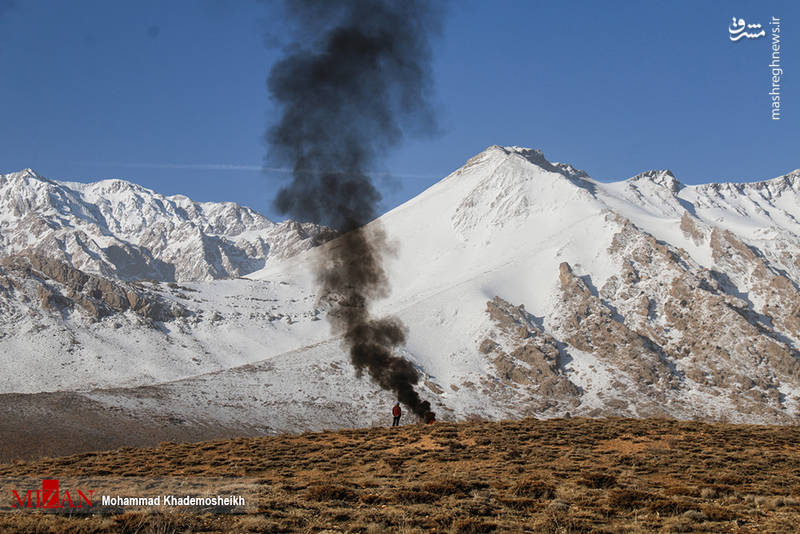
[[50, 496]]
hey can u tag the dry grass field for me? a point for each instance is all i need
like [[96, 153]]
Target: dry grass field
[[555, 476]]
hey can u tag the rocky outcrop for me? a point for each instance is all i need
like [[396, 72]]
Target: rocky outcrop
[[775, 295], [690, 229], [60, 287], [663, 178], [527, 359], [667, 333], [590, 325], [698, 322]]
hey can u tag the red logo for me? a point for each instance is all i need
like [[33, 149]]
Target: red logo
[[49, 496]]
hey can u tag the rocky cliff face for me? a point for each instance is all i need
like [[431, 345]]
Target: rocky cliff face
[[675, 328], [528, 362], [58, 287]]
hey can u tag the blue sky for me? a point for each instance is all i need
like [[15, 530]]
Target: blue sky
[[172, 95]]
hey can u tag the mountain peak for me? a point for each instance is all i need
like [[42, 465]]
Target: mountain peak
[[788, 182], [773, 186], [25, 178], [534, 156], [662, 178], [792, 177], [23, 174]]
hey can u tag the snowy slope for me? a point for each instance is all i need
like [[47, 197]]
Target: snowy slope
[[228, 323], [502, 225]]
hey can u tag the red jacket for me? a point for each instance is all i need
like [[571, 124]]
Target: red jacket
[[396, 411]]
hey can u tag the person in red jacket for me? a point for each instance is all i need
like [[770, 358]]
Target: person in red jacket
[[396, 412]]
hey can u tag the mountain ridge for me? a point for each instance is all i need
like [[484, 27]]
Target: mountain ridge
[[528, 289], [119, 229]]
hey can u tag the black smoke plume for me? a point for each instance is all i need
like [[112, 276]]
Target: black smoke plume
[[355, 80]]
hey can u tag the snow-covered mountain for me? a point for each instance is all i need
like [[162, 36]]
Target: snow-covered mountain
[[527, 287], [121, 230]]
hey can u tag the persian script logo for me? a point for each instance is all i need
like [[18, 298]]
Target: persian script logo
[[738, 27], [49, 496]]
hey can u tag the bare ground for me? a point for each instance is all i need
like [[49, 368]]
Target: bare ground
[[61, 423]]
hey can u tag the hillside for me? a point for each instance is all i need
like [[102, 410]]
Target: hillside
[[555, 476], [527, 287]]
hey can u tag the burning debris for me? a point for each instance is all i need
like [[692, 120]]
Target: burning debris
[[354, 81]]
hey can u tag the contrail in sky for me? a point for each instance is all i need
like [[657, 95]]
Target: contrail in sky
[[249, 168]]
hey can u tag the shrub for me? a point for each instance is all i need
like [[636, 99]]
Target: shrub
[[330, 492], [536, 488], [414, 496], [628, 499], [718, 513], [667, 506], [598, 480], [472, 525]]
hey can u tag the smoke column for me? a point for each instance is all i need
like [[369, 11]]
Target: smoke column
[[355, 79]]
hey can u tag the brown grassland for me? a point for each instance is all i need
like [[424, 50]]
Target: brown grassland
[[561, 475]]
